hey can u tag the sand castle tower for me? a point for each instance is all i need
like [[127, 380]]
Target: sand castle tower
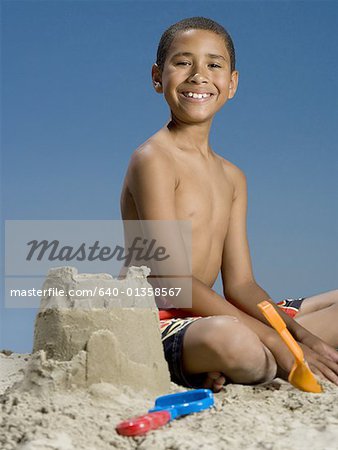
[[92, 328]]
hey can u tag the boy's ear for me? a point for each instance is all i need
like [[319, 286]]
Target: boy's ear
[[157, 78], [233, 84]]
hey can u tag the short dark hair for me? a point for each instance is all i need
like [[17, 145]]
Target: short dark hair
[[193, 23]]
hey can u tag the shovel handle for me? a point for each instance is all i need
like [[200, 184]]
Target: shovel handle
[[279, 325], [142, 424], [272, 316]]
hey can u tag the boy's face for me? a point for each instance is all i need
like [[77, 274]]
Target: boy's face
[[196, 79]]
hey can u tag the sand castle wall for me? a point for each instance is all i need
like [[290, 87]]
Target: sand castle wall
[[80, 340]]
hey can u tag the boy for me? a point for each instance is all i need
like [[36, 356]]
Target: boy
[[175, 175]]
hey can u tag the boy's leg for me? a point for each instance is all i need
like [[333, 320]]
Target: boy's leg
[[319, 315], [223, 345]]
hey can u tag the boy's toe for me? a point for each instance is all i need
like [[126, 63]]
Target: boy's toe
[[214, 381]]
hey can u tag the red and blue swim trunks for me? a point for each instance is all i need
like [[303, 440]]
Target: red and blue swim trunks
[[291, 306], [172, 321]]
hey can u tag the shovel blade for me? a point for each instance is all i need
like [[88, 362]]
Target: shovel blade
[[302, 378]]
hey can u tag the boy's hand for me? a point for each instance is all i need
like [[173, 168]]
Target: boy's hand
[[322, 356], [322, 359], [319, 346]]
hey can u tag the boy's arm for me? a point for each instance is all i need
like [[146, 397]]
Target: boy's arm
[[240, 287]]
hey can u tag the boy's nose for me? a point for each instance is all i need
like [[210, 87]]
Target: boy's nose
[[198, 78]]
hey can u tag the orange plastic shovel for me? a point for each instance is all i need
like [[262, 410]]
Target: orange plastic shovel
[[300, 376]]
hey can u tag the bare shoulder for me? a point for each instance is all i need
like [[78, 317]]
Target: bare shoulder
[[151, 160], [153, 153], [235, 174]]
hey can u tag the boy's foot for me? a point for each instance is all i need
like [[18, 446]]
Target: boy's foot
[[214, 381]]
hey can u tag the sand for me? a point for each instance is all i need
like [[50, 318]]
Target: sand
[[274, 416], [88, 373]]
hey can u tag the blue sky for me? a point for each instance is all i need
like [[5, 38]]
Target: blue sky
[[77, 100]]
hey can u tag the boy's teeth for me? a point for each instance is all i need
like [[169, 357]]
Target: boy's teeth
[[195, 95]]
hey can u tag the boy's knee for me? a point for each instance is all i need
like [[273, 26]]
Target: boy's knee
[[252, 364], [220, 331], [240, 351]]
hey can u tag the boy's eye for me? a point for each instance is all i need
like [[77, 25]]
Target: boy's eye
[[188, 63]]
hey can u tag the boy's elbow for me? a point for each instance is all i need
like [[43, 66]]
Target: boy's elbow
[[235, 290]]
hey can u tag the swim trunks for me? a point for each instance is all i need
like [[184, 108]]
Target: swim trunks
[[291, 306], [174, 324], [173, 331]]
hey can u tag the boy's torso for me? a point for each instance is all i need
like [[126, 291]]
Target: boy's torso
[[203, 194]]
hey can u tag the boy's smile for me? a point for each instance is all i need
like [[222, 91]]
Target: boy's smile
[[196, 96], [196, 79]]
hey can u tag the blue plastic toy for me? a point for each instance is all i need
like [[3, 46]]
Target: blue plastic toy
[[167, 408]]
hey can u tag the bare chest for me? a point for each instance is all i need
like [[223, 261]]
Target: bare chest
[[204, 196]]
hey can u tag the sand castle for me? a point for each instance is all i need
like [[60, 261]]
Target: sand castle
[[111, 335]]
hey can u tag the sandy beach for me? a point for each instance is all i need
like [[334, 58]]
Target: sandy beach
[[88, 372], [275, 417]]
